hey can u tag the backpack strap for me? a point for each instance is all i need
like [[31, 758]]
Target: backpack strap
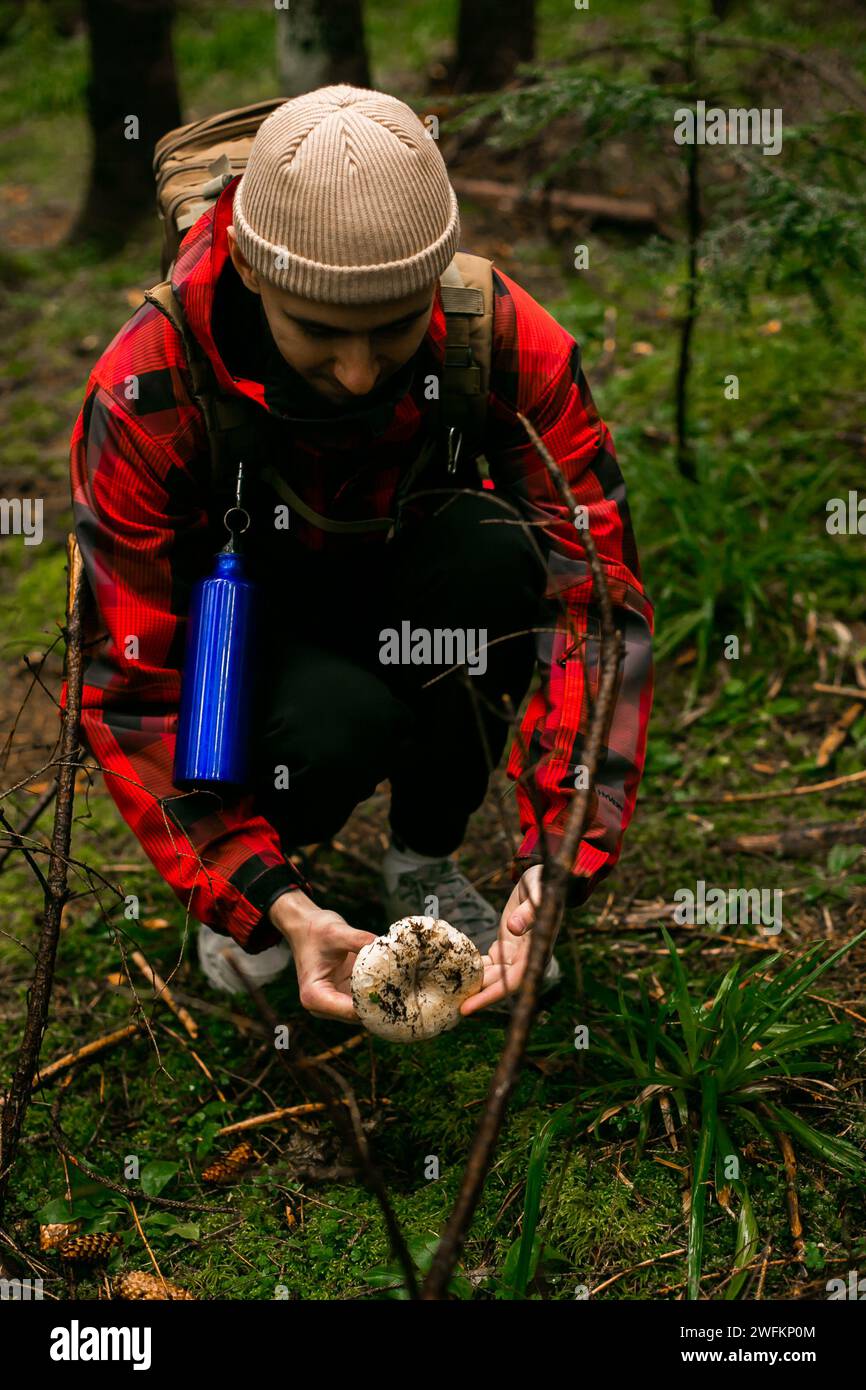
[[466, 289], [326, 523], [221, 414]]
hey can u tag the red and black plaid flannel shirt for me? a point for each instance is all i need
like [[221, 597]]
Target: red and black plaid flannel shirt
[[139, 470]]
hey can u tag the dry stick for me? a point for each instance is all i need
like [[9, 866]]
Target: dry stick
[[593, 204], [355, 1041], [82, 1054], [850, 692], [39, 995], [287, 1112], [791, 1197], [808, 789], [822, 999], [148, 1249], [350, 1127], [162, 991], [644, 1264], [837, 734], [766, 1253], [798, 841], [30, 820], [556, 874]]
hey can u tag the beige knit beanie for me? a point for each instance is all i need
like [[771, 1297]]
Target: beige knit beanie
[[346, 199]]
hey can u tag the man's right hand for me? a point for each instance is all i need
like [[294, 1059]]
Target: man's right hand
[[324, 948]]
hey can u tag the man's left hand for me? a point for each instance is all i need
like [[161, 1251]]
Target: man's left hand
[[504, 966]]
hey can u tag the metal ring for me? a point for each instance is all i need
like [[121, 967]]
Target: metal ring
[[236, 511]]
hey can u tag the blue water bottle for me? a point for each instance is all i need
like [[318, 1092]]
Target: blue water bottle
[[217, 685]]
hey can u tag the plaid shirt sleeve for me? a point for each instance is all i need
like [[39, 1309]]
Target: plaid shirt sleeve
[[536, 370], [143, 538]]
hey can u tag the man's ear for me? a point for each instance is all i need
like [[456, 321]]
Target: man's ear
[[249, 276]]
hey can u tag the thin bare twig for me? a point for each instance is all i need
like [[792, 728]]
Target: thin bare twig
[[83, 1054], [56, 894], [28, 823], [556, 875]]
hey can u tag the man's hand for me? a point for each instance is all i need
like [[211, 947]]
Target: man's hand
[[324, 948], [504, 966]]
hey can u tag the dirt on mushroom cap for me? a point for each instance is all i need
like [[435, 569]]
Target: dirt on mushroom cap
[[409, 984]]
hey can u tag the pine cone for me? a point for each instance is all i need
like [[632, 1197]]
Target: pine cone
[[55, 1233], [92, 1249], [228, 1168], [139, 1285]]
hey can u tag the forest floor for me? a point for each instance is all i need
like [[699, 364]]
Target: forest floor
[[751, 544]]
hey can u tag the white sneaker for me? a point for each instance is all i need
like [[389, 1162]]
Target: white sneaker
[[215, 950], [409, 892]]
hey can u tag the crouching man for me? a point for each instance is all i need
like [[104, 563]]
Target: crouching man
[[321, 323]]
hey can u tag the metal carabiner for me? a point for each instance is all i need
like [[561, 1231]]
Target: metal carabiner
[[236, 528]]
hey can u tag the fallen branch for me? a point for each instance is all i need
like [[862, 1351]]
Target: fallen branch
[[161, 990], [808, 789], [83, 1054], [850, 692], [798, 841], [555, 880], [39, 995], [510, 195], [644, 1264], [834, 1003], [354, 1041], [271, 1117], [837, 734]]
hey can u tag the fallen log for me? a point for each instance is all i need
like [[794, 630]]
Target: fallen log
[[510, 195]]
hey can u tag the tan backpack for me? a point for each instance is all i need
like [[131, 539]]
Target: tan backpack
[[192, 166]]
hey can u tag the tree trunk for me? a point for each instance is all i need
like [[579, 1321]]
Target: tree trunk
[[493, 36], [132, 99], [319, 43]]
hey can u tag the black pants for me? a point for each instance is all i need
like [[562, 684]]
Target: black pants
[[340, 721]]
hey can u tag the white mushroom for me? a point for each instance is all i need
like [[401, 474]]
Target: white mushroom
[[409, 984]]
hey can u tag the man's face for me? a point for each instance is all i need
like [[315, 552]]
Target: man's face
[[343, 351]]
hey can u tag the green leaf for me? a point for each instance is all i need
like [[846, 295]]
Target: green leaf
[[534, 1184], [185, 1230], [841, 857], [55, 1211], [684, 1005], [748, 1237], [156, 1175], [701, 1170], [837, 1152], [748, 1240]]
